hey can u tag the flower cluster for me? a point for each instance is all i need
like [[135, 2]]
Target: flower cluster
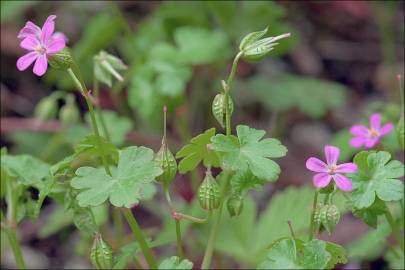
[[41, 43]]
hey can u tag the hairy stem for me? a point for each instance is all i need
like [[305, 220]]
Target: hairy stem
[[311, 224], [137, 232], [179, 240], [118, 226], [214, 229], [15, 246], [394, 228], [96, 88], [12, 208], [75, 74]]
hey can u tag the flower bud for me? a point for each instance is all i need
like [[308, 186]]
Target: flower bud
[[235, 205], [69, 114], [168, 164], [61, 60], [208, 193], [46, 109], [219, 108], [317, 213], [101, 254], [107, 66], [330, 217]]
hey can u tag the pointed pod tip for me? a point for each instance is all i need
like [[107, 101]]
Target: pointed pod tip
[[164, 108], [399, 77]]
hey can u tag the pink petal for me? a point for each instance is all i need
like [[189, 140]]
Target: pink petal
[[357, 141], [359, 130], [26, 60], [29, 43], [48, 28], [321, 180], [316, 165], [346, 168], [332, 154], [41, 65], [386, 129], [55, 45], [371, 142], [30, 29], [342, 182], [60, 35], [375, 120]]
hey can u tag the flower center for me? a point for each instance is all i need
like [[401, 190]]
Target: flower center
[[332, 169], [40, 49], [372, 133]]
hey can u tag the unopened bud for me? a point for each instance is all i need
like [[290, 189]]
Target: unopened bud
[[235, 205], [167, 163], [46, 109], [219, 108], [209, 193], [101, 254]]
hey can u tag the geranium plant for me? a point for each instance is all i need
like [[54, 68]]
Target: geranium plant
[[235, 162]]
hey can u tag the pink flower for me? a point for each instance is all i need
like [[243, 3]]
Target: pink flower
[[369, 137], [330, 170], [40, 43]]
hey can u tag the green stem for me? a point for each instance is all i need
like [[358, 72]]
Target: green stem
[[227, 95], [179, 240], [214, 229], [401, 93], [136, 230], [96, 89], [75, 74], [15, 246], [311, 224], [12, 208], [137, 263], [173, 210], [118, 226], [395, 229]]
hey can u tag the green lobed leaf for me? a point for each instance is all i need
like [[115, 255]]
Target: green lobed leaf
[[242, 181], [128, 184], [175, 263], [195, 152], [314, 255], [283, 255], [370, 215], [201, 46], [247, 152], [311, 96], [377, 177], [338, 255], [27, 169]]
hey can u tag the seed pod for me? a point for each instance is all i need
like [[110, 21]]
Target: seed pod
[[219, 108], [46, 109], [235, 205], [168, 164], [208, 193], [330, 217], [101, 254], [317, 214], [61, 60]]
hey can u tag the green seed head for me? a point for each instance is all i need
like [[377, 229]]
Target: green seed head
[[330, 216], [208, 193], [235, 205], [219, 108], [46, 109], [101, 254], [168, 164]]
